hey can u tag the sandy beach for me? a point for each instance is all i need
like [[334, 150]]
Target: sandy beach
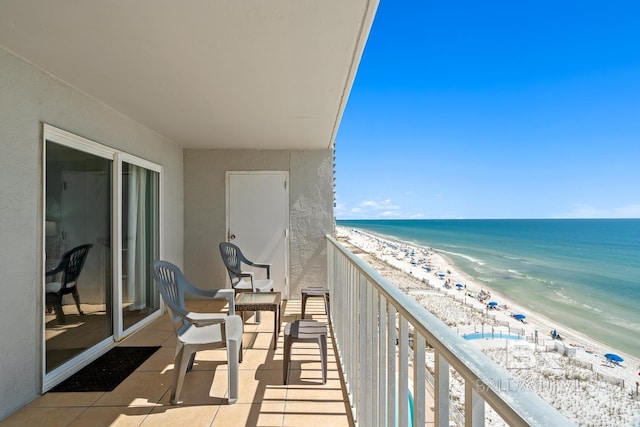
[[571, 373]]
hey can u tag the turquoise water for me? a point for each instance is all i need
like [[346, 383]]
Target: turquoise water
[[583, 273], [489, 335]]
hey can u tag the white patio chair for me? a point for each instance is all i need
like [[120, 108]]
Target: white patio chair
[[199, 331], [244, 281]]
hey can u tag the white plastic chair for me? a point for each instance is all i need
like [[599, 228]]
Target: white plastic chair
[[244, 281], [199, 331]]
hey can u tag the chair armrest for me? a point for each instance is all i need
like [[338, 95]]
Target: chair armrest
[[226, 294], [205, 319], [229, 295], [260, 265], [249, 274], [56, 270], [199, 319]]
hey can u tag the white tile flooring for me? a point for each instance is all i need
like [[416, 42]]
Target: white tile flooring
[[143, 398]]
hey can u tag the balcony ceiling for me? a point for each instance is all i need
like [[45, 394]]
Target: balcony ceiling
[[206, 74]]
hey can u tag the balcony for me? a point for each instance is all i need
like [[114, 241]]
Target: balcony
[[379, 340], [143, 398]]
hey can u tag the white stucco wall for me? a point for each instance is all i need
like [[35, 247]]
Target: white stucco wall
[[29, 97], [311, 216], [310, 205]]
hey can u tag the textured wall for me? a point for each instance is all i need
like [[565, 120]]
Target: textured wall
[[311, 203], [29, 97], [311, 210]]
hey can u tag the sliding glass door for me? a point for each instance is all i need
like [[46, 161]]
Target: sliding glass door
[[101, 234], [77, 213], [140, 229]]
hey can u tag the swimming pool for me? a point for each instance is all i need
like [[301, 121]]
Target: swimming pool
[[489, 335]]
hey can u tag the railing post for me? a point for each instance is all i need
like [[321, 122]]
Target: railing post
[[403, 383], [392, 380], [363, 357], [382, 361], [441, 391], [351, 331], [372, 352], [375, 359], [419, 383], [473, 406], [346, 329]]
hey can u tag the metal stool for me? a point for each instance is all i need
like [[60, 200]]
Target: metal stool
[[317, 292], [305, 331]]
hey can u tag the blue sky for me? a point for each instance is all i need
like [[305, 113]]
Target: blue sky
[[494, 110]]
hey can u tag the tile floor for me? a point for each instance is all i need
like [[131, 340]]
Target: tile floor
[[143, 398]]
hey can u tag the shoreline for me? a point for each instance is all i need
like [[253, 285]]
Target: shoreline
[[582, 349]]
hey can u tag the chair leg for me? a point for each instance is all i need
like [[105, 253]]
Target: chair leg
[[304, 304], [57, 307], [53, 302], [76, 297], [327, 307], [192, 359], [323, 357], [258, 314], [285, 359], [233, 350], [179, 371]]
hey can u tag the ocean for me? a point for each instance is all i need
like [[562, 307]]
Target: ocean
[[584, 273]]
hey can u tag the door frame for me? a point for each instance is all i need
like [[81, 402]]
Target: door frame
[[287, 286], [62, 137]]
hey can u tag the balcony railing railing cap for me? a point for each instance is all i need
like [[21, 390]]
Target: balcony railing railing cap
[[511, 399]]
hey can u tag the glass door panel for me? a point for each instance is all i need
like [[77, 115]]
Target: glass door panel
[[140, 243], [77, 289]]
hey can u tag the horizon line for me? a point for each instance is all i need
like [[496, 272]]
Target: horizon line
[[487, 219]]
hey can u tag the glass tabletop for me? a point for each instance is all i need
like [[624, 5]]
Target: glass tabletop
[[258, 298]]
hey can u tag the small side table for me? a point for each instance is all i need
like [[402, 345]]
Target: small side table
[[316, 292], [305, 331], [262, 301]]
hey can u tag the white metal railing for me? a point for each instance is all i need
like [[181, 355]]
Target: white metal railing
[[371, 320]]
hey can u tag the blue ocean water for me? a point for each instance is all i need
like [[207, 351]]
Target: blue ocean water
[[584, 273]]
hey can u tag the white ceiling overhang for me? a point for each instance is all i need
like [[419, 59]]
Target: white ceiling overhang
[[208, 73]]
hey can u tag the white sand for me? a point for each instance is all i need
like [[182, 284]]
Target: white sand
[[581, 386]]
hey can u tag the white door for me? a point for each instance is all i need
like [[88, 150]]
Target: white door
[[258, 221]]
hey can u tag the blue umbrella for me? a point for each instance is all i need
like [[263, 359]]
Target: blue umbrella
[[519, 316], [459, 285], [492, 304], [613, 357], [441, 275]]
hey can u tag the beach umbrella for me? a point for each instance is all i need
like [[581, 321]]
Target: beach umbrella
[[459, 285], [613, 357], [493, 304], [441, 275], [519, 316]]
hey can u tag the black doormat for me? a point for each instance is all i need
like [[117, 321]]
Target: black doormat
[[106, 372]]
